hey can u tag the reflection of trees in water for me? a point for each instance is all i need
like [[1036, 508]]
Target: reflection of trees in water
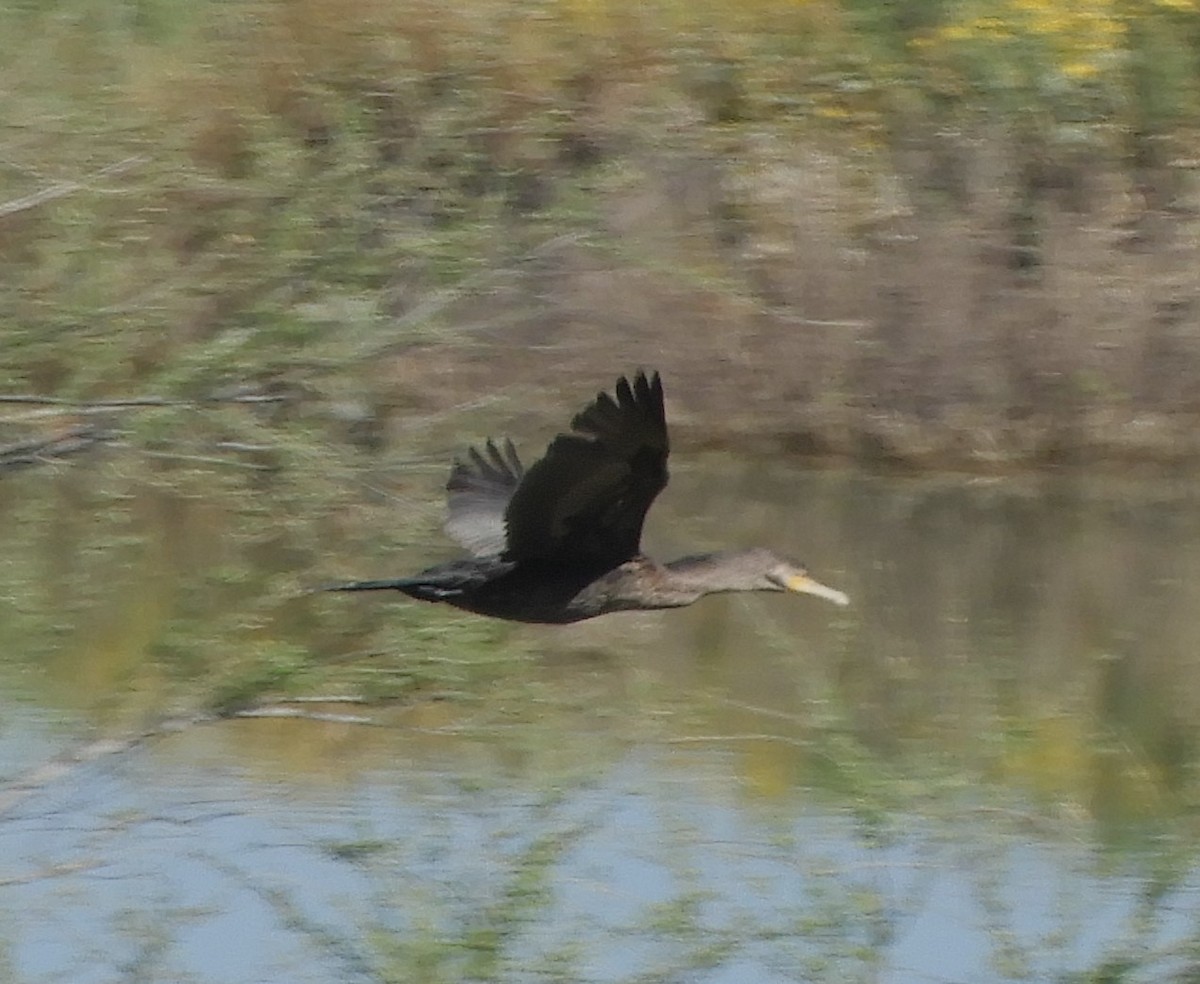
[[1040, 630], [802, 788], [1080, 611]]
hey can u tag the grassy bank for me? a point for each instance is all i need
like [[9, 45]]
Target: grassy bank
[[949, 234]]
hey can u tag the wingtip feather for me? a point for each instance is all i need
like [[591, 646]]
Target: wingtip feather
[[496, 463]]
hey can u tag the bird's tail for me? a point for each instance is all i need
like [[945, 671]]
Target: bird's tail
[[387, 584]]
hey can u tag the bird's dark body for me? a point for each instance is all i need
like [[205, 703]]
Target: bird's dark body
[[547, 593], [561, 541]]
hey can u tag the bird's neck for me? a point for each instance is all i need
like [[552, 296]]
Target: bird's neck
[[644, 584], [696, 575]]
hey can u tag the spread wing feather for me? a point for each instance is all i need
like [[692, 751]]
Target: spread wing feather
[[586, 500], [478, 492]]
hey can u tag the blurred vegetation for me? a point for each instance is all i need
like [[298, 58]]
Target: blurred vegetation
[[907, 230], [943, 233], [957, 231]]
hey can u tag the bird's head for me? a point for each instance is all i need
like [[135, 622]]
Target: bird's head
[[756, 569], [785, 575]]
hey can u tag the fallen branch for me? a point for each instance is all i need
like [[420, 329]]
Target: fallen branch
[[40, 776], [199, 459], [85, 406], [37, 778], [63, 188], [52, 871], [40, 450], [327, 717], [443, 299], [323, 699]]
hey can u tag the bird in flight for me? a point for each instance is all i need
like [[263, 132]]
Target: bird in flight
[[560, 542]]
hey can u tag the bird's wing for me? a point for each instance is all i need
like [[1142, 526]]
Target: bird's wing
[[586, 499], [478, 491]]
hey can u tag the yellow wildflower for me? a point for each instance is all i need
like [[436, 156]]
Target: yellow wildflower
[[1080, 70]]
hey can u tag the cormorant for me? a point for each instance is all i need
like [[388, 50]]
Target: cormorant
[[560, 542]]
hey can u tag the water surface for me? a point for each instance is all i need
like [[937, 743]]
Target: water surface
[[982, 770]]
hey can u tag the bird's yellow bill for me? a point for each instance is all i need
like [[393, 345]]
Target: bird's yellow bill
[[804, 584]]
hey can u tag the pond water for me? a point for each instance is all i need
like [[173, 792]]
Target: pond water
[[983, 770]]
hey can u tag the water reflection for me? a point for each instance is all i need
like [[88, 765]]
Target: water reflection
[[920, 786], [1043, 630]]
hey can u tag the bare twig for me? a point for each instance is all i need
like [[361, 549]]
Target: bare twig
[[199, 459], [63, 188], [39, 777], [84, 406], [244, 447], [51, 871], [39, 450], [277, 711], [442, 299], [323, 699]]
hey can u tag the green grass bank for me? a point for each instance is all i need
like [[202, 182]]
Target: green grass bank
[[940, 234]]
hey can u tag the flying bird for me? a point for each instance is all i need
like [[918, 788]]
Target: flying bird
[[560, 542]]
